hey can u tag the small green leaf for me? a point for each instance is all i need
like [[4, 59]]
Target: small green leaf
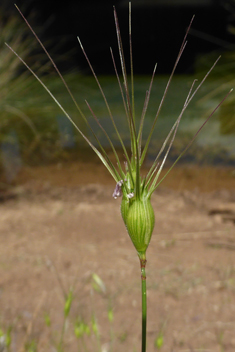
[[68, 303], [81, 328], [8, 337], [87, 330], [31, 346], [158, 343], [78, 330], [47, 319], [98, 284], [110, 314], [95, 326]]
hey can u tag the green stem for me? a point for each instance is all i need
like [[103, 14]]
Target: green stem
[[143, 262], [60, 346], [84, 344]]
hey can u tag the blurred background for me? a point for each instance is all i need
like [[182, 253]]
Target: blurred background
[[34, 132]]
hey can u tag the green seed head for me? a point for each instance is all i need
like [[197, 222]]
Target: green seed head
[[138, 216]]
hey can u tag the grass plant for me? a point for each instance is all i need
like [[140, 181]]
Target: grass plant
[[86, 330], [16, 83], [26, 109], [135, 188]]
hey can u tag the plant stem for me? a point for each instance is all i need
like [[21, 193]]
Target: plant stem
[[60, 346], [143, 262]]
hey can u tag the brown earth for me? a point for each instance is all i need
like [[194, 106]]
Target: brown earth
[[59, 225]]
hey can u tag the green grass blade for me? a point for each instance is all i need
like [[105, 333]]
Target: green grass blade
[[67, 115]]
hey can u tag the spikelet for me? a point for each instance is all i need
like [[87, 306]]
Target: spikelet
[[138, 216]]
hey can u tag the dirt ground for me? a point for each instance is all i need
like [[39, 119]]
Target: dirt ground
[[59, 225]]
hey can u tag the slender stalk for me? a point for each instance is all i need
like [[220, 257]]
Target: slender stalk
[[60, 346], [84, 344], [143, 262]]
